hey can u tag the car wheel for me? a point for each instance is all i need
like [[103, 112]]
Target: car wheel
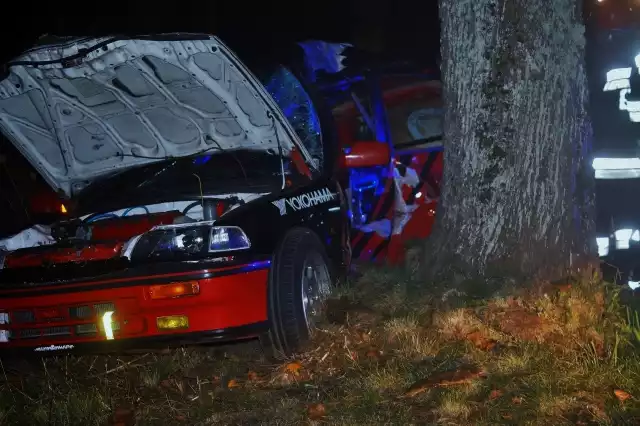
[[299, 284]]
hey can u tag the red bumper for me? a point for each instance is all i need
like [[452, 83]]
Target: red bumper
[[231, 304]]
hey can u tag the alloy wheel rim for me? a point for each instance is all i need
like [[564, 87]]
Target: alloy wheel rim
[[316, 287]]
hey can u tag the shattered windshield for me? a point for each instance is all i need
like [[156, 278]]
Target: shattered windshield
[[296, 104]]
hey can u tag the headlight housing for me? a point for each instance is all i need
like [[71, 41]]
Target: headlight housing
[[176, 242]]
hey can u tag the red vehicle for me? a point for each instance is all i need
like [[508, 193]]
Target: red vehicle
[[204, 201], [391, 208]]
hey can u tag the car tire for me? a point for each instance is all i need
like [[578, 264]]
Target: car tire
[[300, 281]]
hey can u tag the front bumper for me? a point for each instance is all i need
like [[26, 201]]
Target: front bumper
[[231, 304], [146, 343]]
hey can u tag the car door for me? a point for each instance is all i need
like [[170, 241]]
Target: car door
[[413, 107], [371, 189]]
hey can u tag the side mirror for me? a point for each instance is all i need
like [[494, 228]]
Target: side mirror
[[366, 154]]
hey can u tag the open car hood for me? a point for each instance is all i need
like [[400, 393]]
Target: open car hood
[[86, 108]]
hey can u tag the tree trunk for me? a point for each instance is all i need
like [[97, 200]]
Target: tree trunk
[[517, 192]]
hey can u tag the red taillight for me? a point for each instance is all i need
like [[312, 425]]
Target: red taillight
[[173, 290]]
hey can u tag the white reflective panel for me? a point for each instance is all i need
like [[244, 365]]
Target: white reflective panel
[[635, 236], [623, 234], [604, 163], [603, 246], [618, 174], [633, 107], [634, 284], [617, 79], [622, 245]]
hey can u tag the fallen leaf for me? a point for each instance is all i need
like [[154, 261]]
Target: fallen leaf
[[495, 394], [290, 373], [517, 400], [180, 418], [253, 376], [166, 383], [293, 367], [447, 378], [316, 411], [233, 383], [507, 416], [621, 395], [481, 342]]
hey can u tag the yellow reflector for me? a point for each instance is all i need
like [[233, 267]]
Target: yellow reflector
[[63, 208], [106, 324], [172, 322]]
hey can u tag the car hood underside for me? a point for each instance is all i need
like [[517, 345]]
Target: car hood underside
[[89, 107]]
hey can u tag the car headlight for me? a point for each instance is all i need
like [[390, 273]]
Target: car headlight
[[186, 240]]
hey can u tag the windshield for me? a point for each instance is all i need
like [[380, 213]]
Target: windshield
[[297, 106]]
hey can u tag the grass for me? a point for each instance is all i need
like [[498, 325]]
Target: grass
[[392, 351]]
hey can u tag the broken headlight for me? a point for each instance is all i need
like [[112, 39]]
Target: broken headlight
[[185, 241]]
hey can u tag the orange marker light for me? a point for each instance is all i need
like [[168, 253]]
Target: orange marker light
[[174, 290], [63, 208]]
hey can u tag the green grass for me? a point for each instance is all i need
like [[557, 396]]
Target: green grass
[[555, 358]]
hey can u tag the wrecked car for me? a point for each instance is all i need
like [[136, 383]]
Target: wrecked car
[[194, 212]]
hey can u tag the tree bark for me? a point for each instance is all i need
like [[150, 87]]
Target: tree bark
[[517, 193]]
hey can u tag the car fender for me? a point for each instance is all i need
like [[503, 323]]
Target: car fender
[[319, 206]]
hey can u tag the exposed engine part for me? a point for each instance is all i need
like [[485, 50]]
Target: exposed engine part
[[113, 228], [70, 230], [31, 237], [121, 223], [209, 210]]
